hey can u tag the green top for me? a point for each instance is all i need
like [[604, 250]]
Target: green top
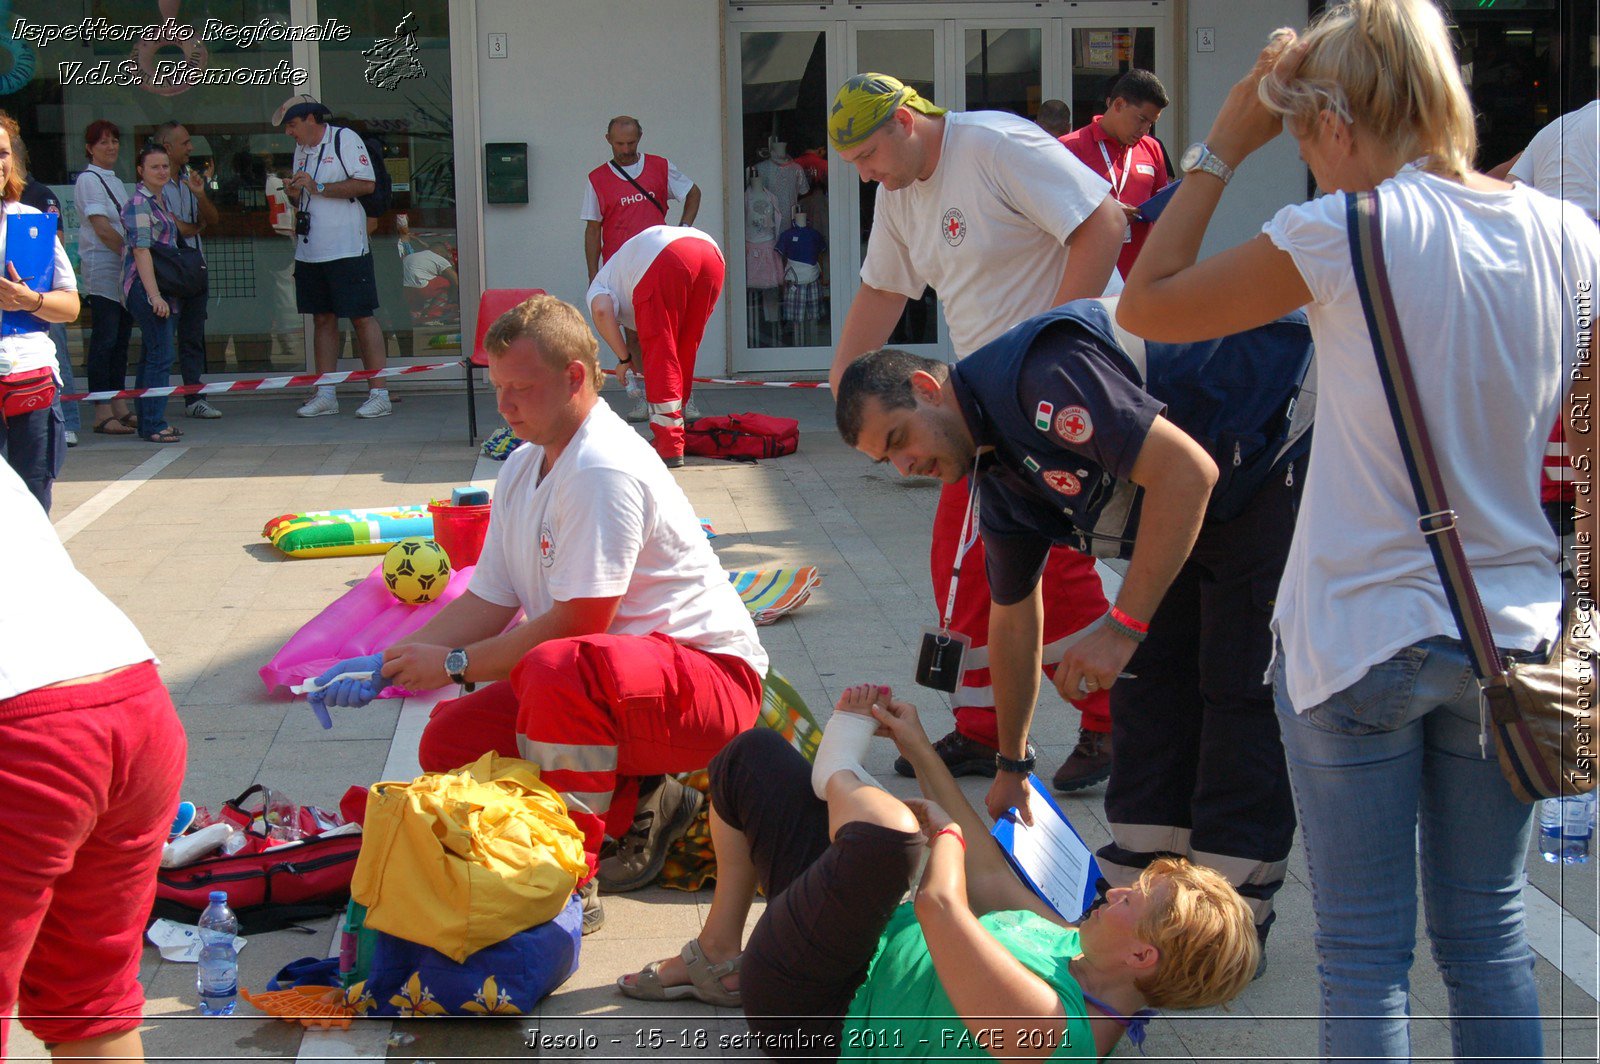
[[902, 1012]]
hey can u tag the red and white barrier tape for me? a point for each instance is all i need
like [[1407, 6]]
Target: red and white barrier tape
[[312, 380]]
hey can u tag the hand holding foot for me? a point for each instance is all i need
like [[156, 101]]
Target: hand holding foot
[[846, 738]]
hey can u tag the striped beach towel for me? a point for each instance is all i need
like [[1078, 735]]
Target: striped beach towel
[[771, 593]]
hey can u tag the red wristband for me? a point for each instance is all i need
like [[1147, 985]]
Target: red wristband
[[950, 830], [1142, 627]]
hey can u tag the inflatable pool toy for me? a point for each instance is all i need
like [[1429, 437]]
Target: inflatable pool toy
[[342, 533], [416, 570]]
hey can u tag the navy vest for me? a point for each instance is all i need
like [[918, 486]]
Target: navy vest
[[1237, 396]]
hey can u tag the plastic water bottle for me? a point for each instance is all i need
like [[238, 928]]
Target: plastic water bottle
[[1566, 828], [635, 386], [218, 976]]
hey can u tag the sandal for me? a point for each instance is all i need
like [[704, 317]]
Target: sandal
[[705, 981], [166, 435], [130, 419], [112, 426]]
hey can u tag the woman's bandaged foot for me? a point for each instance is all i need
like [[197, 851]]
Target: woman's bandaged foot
[[844, 745]]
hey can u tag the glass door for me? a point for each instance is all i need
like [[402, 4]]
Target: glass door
[[781, 231], [914, 53], [1098, 52]]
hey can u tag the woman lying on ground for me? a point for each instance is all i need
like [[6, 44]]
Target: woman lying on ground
[[975, 965]]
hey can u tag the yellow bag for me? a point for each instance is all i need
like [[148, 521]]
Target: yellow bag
[[461, 860]]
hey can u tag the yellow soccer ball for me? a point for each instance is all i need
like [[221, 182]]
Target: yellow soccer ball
[[416, 570]]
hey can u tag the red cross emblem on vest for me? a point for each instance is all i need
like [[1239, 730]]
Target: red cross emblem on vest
[[1074, 425]]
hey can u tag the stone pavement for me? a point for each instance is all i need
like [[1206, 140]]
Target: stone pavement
[[181, 552]]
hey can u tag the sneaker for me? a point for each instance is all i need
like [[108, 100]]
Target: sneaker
[[72, 438], [375, 406], [640, 412], [660, 820], [690, 411], [321, 405], [594, 914], [962, 756], [674, 461], [203, 409], [1088, 764]]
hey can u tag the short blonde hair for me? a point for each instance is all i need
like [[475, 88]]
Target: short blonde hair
[[1204, 932], [1386, 66], [18, 176], [554, 327]]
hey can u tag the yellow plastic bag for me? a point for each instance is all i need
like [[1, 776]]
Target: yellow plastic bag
[[461, 860]]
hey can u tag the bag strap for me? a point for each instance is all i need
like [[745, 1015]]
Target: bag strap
[[647, 193], [107, 187], [1437, 520]]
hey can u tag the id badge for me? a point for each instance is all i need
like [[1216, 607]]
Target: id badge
[[942, 659]]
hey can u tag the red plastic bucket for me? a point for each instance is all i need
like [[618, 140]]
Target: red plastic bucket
[[460, 531]]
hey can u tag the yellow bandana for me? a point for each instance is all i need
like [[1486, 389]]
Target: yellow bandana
[[866, 102]]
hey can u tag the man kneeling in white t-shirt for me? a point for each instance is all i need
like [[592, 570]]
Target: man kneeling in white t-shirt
[[636, 656]]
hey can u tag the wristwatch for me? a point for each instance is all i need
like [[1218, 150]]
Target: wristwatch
[[455, 666], [1199, 158], [1022, 767], [320, 188]]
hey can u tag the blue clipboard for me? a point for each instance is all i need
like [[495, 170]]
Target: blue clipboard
[[30, 246], [1151, 208], [1050, 856]]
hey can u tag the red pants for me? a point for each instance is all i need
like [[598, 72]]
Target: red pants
[[596, 712], [90, 775], [1073, 598], [671, 304]]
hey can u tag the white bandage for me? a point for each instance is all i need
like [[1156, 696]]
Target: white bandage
[[844, 745]]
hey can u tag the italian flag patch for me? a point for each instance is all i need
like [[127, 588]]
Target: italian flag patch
[[1041, 416]]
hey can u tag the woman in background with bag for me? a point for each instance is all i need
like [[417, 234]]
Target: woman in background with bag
[[1376, 693], [150, 225], [99, 196]]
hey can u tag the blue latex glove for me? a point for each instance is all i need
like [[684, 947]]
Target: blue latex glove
[[349, 693]]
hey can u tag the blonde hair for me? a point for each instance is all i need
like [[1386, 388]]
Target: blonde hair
[[18, 176], [1204, 933], [1387, 67], [554, 327]]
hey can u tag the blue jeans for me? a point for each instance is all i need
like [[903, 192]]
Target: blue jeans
[[1397, 749], [155, 368], [34, 445], [190, 335], [69, 384]]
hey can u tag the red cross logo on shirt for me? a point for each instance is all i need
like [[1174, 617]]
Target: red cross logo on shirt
[[954, 226], [1074, 425], [547, 547]]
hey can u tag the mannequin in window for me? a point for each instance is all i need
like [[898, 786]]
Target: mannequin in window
[[763, 267], [804, 300], [784, 177]]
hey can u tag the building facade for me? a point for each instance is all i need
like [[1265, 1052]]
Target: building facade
[[489, 114]]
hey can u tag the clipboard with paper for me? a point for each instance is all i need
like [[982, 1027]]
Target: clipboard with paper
[[29, 246], [1050, 857]]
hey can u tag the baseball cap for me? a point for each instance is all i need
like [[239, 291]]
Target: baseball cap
[[866, 102], [297, 106]]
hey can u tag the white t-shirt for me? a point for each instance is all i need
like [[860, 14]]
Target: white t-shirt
[[420, 267], [1486, 286], [33, 350], [678, 186], [608, 519], [623, 271], [338, 225], [102, 267], [1563, 159], [988, 229], [54, 624]]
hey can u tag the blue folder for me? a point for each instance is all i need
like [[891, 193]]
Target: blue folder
[[1045, 867], [1151, 208], [30, 247]]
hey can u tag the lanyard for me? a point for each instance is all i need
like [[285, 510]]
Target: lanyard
[[969, 536], [1111, 171]]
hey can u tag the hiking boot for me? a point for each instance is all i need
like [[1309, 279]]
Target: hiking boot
[[1088, 764], [962, 756], [594, 914], [662, 818]]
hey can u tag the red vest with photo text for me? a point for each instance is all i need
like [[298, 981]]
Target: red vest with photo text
[[624, 210]]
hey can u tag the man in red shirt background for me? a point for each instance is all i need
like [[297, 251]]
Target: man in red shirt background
[[1118, 146]]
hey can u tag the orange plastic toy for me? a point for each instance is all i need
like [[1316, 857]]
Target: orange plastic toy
[[310, 1006]]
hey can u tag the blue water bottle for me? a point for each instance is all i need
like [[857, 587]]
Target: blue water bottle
[[218, 975]]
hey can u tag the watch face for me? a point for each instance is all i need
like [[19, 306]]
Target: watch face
[[1191, 157], [455, 661]]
